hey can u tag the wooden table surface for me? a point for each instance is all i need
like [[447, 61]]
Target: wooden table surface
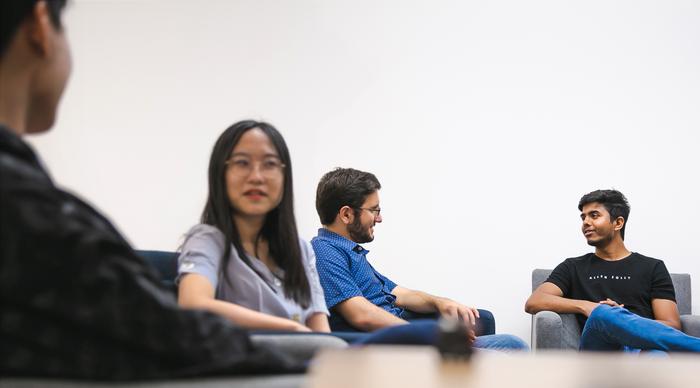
[[385, 367]]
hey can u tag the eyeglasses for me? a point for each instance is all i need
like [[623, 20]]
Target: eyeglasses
[[375, 211], [268, 168]]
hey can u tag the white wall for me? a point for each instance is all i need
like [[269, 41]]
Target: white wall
[[485, 122]]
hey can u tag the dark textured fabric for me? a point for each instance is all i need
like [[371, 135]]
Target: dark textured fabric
[[77, 302], [633, 281]]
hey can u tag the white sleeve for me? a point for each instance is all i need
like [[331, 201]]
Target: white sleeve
[[318, 301]]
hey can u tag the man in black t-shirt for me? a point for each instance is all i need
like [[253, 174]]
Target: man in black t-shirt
[[624, 300]]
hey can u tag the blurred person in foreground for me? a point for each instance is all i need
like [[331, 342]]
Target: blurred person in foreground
[[75, 300]]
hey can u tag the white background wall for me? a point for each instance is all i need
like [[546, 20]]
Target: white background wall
[[485, 122]]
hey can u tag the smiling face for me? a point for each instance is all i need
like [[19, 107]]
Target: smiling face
[[254, 175], [361, 230], [597, 226]]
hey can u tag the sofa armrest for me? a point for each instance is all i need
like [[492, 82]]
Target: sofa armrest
[[486, 324], [690, 324], [551, 330], [546, 330], [299, 346]]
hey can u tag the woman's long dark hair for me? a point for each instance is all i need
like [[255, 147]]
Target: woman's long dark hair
[[279, 228]]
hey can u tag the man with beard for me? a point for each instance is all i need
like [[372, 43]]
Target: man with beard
[[624, 300], [359, 297]]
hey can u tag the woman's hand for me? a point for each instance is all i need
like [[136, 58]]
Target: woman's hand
[[298, 327]]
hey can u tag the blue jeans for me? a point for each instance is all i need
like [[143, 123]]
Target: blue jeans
[[485, 324], [615, 328], [503, 342], [425, 332]]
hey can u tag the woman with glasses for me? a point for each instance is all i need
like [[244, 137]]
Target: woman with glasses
[[245, 260]]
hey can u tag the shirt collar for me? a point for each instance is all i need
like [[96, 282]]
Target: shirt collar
[[341, 242], [16, 147], [13, 144]]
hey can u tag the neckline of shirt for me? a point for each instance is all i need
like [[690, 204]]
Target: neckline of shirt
[[623, 259], [345, 242]]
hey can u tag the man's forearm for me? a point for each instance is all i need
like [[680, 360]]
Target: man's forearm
[[675, 325], [416, 301], [377, 320], [365, 316], [541, 301]]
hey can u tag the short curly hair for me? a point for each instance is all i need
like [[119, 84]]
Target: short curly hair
[[343, 187]]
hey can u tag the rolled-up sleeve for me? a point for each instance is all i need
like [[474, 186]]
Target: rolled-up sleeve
[[318, 301], [388, 284], [201, 253]]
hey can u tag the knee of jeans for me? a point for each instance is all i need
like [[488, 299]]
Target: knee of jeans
[[603, 313], [517, 343], [509, 341]]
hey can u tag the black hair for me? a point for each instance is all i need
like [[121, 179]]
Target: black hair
[[279, 228], [343, 187], [614, 202], [14, 12]]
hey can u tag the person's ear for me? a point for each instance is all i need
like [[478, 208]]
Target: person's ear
[[618, 223], [346, 215], [40, 29]]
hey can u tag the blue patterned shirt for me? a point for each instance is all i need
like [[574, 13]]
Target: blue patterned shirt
[[345, 273]]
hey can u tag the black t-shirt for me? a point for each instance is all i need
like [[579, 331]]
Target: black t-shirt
[[633, 281]]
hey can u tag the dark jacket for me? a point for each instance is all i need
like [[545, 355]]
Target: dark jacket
[[77, 302]]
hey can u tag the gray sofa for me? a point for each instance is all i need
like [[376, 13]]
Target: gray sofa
[[561, 331]]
